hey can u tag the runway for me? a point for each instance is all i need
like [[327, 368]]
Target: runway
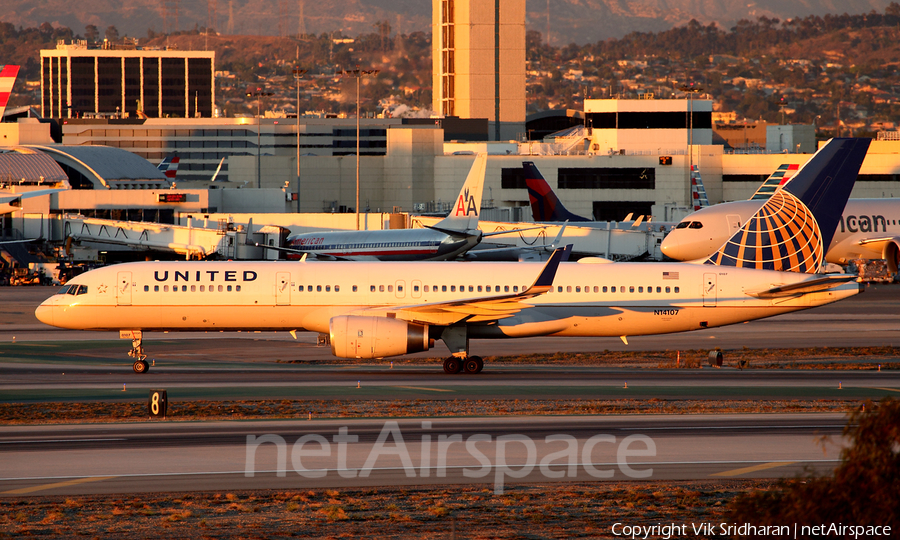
[[165, 457]]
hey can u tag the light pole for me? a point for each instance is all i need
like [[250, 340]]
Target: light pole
[[358, 73], [691, 90], [297, 74], [258, 93]]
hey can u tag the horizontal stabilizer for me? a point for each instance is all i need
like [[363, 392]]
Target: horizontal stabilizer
[[805, 287]]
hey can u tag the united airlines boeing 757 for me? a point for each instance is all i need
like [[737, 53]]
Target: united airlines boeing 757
[[382, 309]]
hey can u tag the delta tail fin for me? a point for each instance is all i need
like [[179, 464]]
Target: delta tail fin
[[545, 205], [8, 74], [793, 229], [169, 166], [464, 214]]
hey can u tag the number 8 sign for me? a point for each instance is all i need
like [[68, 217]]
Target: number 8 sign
[[157, 403]]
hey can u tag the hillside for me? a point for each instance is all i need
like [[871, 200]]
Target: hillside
[[578, 21]]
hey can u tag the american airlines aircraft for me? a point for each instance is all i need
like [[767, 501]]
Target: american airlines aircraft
[[375, 310], [868, 228], [446, 239]]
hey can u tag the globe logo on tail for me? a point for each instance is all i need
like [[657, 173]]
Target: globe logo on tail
[[782, 236]]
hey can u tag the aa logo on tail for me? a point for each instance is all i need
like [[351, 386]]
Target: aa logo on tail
[[466, 205]]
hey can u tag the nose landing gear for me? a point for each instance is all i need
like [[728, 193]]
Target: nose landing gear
[[137, 351]]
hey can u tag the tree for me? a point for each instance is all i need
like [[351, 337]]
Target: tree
[[865, 488], [91, 33], [112, 33]]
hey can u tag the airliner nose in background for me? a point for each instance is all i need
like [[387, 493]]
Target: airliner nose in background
[[381, 309]]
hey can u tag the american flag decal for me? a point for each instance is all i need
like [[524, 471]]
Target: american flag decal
[[670, 275], [783, 236]]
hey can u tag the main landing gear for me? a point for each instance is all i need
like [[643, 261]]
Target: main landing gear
[[471, 364], [457, 340], [137, 351]]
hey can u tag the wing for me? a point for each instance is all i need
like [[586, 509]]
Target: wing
[[480, 309]]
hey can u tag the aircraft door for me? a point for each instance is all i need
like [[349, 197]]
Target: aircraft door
[[734, 223], [282, 288], [416, 289], [400, 289], [123, 289], [709, 290]]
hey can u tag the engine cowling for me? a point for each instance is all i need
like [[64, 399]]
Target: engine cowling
[[891, 254], [354, 336]]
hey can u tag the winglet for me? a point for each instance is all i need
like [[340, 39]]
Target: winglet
[[545, 205], [544, 281], [8, 75], [464, 214]]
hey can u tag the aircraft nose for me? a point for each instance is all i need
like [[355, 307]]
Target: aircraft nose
[[44, 313]]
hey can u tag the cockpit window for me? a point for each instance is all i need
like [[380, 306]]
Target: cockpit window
[[683, 225], [82, 289], [696, 225], [72, 289], [64, 290]]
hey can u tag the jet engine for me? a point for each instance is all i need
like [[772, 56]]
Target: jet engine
[[891, 254], [354, 336]]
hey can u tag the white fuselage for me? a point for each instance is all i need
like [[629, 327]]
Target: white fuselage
[[863, 219], [612, 299]]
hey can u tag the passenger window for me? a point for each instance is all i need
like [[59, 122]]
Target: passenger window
[[318, 288], [578, 288], [156, 288], [202, 288], [337, 288], [193, 288], [220, 288], [604, 288], [631, 289], [515, 288], [640, 289], [452, 288], [355, 288], [479, 288], [390, 288], [371, 288], [165, 288], [472, 289], [488, 288], [559, 288], [415, 288], [146, 288], [443, 288], [586, 288], [229, 288], [568, 288], [399, 288], [300, 288], [237, 288], [668, 289], [327, 288], [677, 290], [381, 288], [426, 288], [506, 288], [659, 289], [309, 288], [613, 288]]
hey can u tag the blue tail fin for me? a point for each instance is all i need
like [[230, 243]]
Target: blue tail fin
[[793, 230], [545, 206]]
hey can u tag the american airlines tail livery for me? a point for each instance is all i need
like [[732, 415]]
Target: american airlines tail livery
[[382, 309]]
